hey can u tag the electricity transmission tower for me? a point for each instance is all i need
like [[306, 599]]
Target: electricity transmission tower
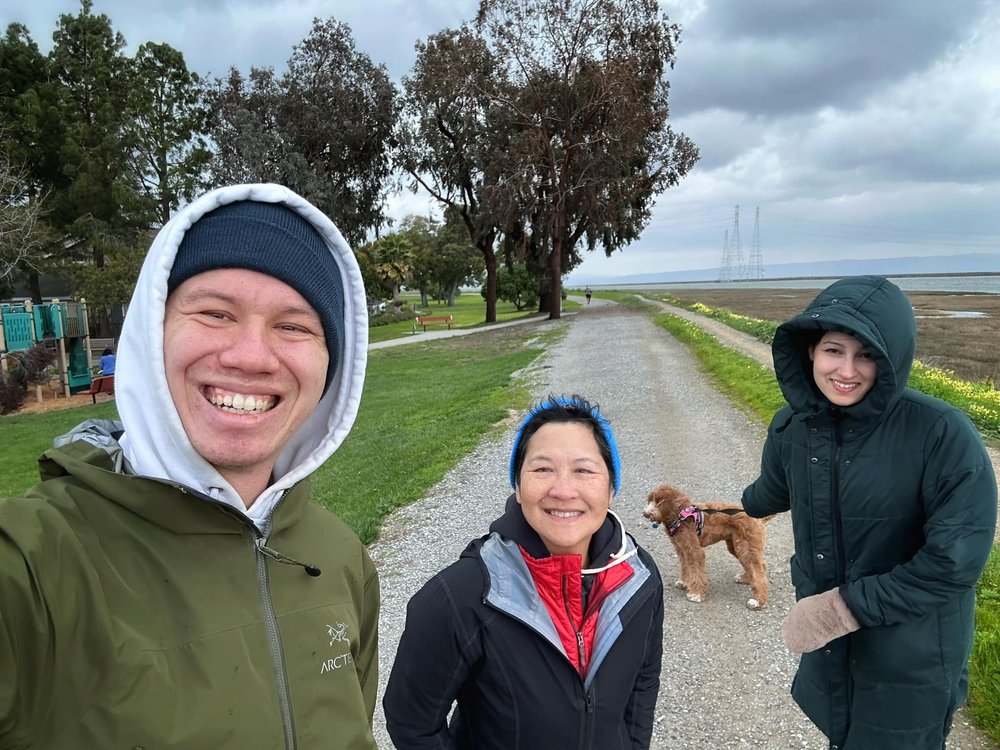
[[755, 268], [732, 254], [725, 272]]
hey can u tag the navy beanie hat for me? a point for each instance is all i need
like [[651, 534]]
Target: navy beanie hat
[[273, 239], [605, 425]]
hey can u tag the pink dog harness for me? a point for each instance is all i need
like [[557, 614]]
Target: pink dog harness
[[686, 513]]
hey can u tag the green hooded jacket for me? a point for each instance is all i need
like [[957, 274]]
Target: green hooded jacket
[[137, 614], [893, 501], [145, 604]]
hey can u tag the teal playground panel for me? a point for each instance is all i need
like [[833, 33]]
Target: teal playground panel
[[24, 327]]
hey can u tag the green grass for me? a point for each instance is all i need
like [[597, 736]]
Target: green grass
[[27, 436], [984, 667]]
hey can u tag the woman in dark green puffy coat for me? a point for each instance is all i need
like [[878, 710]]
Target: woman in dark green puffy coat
[[893, 501]]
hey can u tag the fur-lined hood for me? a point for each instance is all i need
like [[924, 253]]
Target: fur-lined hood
[[155, 444]]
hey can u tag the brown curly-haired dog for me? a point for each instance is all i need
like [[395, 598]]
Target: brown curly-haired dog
[[744, 536]]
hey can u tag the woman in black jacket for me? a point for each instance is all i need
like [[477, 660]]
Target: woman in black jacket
[[893, 503], [547, 632]]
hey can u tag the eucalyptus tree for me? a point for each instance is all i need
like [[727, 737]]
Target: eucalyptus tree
[[323, 128], [451, 135], [584, 85]]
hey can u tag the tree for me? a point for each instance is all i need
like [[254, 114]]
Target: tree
[[442, 258], [31, 139], [391, 259], [166, 121], [323, 128], [584, 83], [339, 111], [455, 260], [451, 136], [421, 233], [23, 233], [517, 285], [91, 73]]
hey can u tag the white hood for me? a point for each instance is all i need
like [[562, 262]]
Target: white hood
[[155, 443]]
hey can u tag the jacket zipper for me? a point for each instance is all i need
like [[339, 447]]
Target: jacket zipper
[[261, 553], [838, 531], [581, 651], [588, 727], [274, 642]]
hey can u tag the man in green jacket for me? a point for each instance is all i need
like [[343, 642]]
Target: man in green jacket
[[894, 504], [169, 584]]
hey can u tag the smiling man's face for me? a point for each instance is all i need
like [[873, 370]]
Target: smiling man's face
[[246, 363]]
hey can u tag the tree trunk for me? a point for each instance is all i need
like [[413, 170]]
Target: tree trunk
[[491, 280], [34, 287]]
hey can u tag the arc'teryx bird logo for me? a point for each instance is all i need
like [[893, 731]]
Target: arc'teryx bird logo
[[337, 634]]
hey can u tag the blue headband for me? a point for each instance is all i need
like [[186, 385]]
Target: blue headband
[[616, 463]]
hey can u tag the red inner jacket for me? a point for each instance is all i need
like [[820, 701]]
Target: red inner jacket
[[560, 586]]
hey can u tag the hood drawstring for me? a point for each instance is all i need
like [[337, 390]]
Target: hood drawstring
[[283, 558], [623, 553]]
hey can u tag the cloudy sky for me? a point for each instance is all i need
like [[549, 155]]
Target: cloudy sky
[[858, 128]]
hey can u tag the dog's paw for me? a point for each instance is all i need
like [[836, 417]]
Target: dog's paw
[[754, 604], [681, 585], [694, 597], [740, 579]]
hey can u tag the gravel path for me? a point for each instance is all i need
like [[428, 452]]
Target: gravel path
[[725, 670]]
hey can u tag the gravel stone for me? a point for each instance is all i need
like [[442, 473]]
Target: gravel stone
[[726, 673]]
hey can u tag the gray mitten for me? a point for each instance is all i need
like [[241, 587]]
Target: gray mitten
[[816, 620]]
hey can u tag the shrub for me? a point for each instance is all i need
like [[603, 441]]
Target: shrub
[[24, 368], [391, 316]]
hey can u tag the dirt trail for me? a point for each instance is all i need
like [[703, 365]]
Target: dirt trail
[[726, 672]]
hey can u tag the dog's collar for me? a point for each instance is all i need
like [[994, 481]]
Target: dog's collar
[[686, 513]]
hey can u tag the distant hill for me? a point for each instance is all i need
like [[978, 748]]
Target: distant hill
[[923, 266]]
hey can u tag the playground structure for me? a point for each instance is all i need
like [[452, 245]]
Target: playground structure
[[59, 325]]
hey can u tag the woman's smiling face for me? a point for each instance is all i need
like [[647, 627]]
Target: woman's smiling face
[[842, 368], [564, 487]]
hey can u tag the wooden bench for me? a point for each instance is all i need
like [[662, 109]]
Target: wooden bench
[[100, 384], [430, 320]]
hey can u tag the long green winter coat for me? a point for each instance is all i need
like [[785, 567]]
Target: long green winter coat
[[139, 615], [893, 499]]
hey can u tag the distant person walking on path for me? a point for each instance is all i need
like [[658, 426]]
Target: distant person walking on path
[[548, 630], [893, 503], [589, 294]]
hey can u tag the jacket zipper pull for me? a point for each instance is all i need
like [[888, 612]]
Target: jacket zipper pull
[[283, 558]]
